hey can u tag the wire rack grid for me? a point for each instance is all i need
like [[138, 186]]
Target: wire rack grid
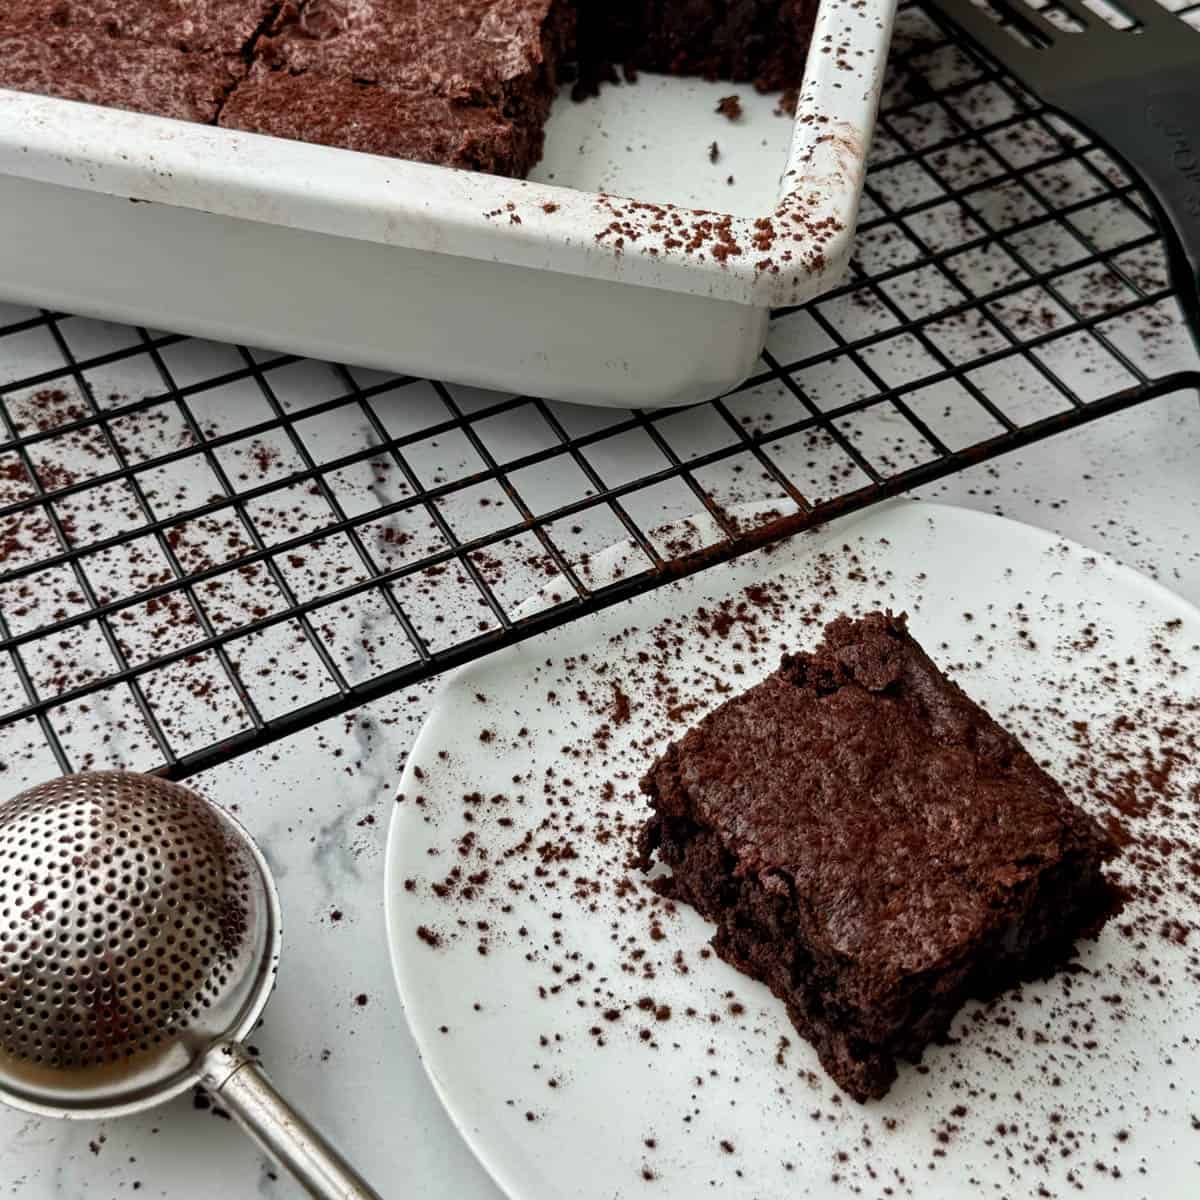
[[204, 547]]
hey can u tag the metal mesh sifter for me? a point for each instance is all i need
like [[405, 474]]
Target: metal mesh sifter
[[139, 936]]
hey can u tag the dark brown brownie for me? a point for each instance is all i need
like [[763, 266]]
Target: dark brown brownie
[[764, 42], [221, 26], [150, 79], [479, 50], [377, 119], [227, 26], [873, 847], [460, 82], [504, 53], [375, 41]]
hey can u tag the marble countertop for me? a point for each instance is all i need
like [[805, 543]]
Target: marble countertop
[[334, 1037]]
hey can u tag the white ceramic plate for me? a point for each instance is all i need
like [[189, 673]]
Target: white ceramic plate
[[1086, 1079]]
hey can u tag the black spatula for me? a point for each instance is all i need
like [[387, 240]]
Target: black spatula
[[1137, 90]]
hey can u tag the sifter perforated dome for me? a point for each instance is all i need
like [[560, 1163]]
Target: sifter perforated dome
[[139, 939], [131, 913]]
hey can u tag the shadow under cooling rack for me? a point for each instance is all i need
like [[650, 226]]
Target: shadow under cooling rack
[[205, 547]]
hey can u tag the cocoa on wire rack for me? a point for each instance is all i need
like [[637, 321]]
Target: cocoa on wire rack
[[204, 548]]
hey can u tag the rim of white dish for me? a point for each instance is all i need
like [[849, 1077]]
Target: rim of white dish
[[476, 1140]]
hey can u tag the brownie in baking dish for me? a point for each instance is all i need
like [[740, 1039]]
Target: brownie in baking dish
[[145, 78], [464, 83], [874, 847], [763, 42], [345, 113], [220, 26]]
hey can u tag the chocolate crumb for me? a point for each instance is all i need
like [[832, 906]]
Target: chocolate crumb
[[730, 107], [789, 101]]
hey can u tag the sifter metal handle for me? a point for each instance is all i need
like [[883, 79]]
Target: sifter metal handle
[[229, 1072]]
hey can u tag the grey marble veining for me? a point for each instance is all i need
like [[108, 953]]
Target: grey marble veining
[[320, 802]]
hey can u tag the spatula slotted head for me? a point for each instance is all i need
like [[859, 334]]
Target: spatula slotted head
[[1055, 47], [134, 921], [1130, 79]]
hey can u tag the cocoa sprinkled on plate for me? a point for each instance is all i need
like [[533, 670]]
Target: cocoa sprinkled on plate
[[597, 953]]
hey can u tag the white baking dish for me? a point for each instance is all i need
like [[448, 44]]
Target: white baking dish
[[519, 285]]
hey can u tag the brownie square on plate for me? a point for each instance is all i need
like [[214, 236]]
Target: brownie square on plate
[[873, 847]]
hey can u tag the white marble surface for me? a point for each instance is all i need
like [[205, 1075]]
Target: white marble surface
[[319, 804]]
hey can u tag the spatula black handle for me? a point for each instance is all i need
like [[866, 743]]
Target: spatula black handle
[[1155, 128]]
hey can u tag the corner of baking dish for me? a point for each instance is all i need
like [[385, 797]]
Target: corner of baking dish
[[782, 257]]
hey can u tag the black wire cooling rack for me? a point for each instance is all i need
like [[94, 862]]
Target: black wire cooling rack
[[204, 548]]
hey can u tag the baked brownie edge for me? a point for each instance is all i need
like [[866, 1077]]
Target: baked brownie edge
[[96, 70], [761, 42], [464, 84], [863, 1004]]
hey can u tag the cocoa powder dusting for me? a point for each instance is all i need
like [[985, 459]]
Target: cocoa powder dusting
[[529, 870]]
